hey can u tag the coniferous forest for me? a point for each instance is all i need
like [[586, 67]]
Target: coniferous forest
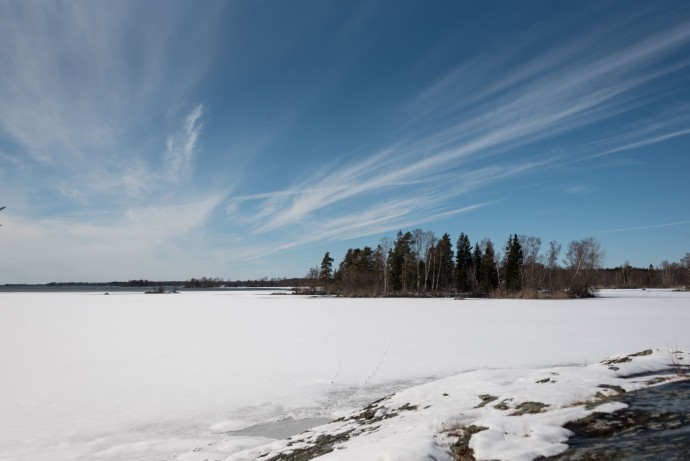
[[418, 263]]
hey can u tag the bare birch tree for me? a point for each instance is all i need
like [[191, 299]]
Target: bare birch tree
[[382, 253], [582, 259]]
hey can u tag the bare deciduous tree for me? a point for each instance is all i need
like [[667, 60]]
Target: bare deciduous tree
[[382, 252], [530, 250], [313, 278], [582, 258], [418, 247], [429, 258], [550, 264]]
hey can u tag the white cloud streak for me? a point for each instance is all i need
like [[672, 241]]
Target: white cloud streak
[[182, 145], [567, 87], [644, 142], [637, 228], [373, 221], [85, 90], [99, 137]]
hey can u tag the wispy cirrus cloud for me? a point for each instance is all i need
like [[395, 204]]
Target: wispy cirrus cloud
[[475, 113], [99, 130], [182, 145], [644, 142], [637, 228], [84, 88], [104, 110], [373, 221]]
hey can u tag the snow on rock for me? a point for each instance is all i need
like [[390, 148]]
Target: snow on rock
[[502, 414]]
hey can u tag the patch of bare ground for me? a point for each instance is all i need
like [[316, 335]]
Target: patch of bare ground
[[461, 450]]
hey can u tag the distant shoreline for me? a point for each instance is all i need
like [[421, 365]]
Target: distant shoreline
[[87, 287]]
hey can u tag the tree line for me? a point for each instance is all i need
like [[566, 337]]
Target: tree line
[[418, 263], [201, 282]]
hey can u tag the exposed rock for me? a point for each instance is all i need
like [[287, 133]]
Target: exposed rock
[[655, 426], [529, 407], [642, 353], [325, 443], [616, 389], [627, 358], [305, 446], [503, 405], [486, 399], [461, 450], [617, 360]]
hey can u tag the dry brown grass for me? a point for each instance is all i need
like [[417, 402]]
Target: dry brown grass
[[680, 368]]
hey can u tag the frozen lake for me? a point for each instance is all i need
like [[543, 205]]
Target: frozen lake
[[146, 377]]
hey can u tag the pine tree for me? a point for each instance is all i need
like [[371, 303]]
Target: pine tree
[[463, 264], [326, 270]]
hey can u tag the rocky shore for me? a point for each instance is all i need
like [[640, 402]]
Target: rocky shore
[[627, 407], [654, 426]]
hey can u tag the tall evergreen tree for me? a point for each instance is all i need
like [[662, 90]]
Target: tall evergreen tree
[[463, 264], [401, 262], [444, 250], [326, 270], [512, 264], [477, 256], [366, 269], [488, 273]]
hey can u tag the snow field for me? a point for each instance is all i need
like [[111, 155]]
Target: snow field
[[134, 376]]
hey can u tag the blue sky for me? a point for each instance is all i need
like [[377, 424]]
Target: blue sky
[[173, 139]]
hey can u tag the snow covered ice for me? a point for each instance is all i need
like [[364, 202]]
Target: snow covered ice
[[214, 375]]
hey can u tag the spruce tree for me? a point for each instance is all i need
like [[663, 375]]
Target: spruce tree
[[488, 274], [512, 264], [445, 262], [476, 267], [463, 264], [402, 262], [366, 277]]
